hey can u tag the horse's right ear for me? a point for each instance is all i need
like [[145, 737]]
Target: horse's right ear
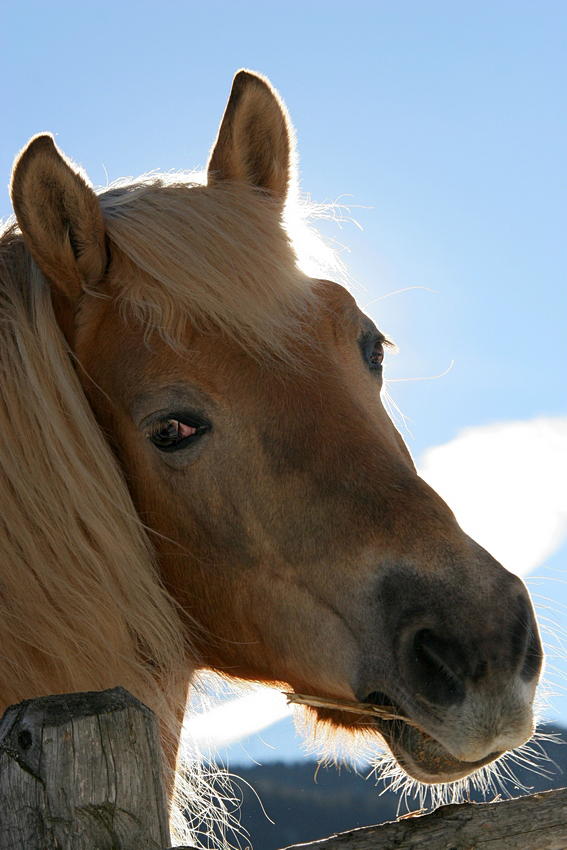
[[60, 217], [255, 143]]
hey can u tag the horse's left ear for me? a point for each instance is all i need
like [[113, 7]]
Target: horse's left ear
[[255, 140], [60, 217]]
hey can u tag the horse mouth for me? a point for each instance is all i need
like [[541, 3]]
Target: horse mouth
[[418, 753]]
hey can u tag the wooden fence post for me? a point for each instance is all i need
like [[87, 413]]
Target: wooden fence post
[[82, 772]]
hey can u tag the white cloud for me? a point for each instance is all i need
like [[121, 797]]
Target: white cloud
[[507, 485]]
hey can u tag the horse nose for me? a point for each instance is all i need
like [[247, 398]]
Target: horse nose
[[440, 664]]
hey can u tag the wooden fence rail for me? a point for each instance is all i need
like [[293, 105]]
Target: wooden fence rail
[[83, 772], [536, 822]]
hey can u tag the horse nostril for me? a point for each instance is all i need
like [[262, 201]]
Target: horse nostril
[[526, 644], [533, 659], [437, 667], [379, 698]]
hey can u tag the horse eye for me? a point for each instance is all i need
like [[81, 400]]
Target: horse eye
[[168, 435], [377, 354], [373, 351]]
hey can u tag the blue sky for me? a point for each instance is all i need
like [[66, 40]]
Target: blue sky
[[441, 125]]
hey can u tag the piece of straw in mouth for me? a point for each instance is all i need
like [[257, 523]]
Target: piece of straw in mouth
[[383, 711]]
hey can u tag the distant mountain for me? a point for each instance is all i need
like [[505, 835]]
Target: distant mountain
[[306, 804]]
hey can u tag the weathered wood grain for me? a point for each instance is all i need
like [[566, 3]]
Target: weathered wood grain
[[537, 822], [82, 772]]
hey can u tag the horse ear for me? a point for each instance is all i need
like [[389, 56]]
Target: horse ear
[[255, 140], [60, 217]]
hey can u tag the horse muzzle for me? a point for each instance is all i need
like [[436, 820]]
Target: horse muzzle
[[464, 677]]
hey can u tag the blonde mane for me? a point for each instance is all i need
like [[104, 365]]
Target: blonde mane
[[217, 258], [81, 604]]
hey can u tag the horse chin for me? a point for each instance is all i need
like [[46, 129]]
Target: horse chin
[[422, 757]]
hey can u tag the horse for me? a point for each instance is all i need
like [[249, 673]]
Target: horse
[[198, 472]]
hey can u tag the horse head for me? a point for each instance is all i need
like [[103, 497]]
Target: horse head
[[242, 401]]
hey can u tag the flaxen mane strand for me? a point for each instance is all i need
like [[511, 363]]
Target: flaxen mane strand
[[242, 278], [81, 605]]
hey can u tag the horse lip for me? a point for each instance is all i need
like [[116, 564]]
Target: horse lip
[[421, 755], [429, 762]]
